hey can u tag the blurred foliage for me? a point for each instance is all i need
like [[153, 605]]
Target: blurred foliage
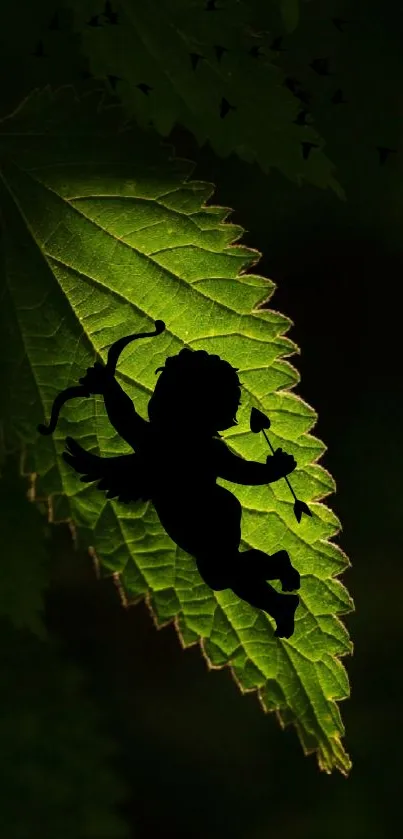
[[208, 69], [24, 559], [56, 775]]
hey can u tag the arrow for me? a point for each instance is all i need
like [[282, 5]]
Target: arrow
[[258, 422]]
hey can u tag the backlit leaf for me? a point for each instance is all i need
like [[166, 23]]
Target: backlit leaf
[[104, 233]]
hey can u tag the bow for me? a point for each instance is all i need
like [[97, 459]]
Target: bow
[[80, 390]]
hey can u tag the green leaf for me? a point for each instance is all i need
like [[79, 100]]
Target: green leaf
[[104, 233], [24, 561], [156, 43]]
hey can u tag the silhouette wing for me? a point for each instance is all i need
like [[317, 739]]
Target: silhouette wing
[[123, 477]]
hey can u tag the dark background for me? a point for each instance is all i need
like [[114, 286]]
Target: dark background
[[200, 758]]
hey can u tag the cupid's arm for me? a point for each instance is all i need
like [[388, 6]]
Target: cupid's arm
[[241, 471], [123, 415]]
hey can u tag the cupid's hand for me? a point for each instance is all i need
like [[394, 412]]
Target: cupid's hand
[[97, 378], [283, 463]]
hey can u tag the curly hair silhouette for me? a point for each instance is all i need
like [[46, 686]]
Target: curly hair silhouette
[[196, 394], [198, 388]]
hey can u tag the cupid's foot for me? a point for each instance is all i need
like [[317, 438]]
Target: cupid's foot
[[287, 574], [290, 579], [285, 616]]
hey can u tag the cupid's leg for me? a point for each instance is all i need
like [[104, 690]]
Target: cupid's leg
[[275, 567], [228, 570], [263, 596]]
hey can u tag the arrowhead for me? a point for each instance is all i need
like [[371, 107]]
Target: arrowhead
[[258, 420], [299, 508]]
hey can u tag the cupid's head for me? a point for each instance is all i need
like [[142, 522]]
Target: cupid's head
[[196, 391]]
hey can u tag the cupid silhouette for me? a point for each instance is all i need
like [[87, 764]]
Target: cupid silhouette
[[196, 394]]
